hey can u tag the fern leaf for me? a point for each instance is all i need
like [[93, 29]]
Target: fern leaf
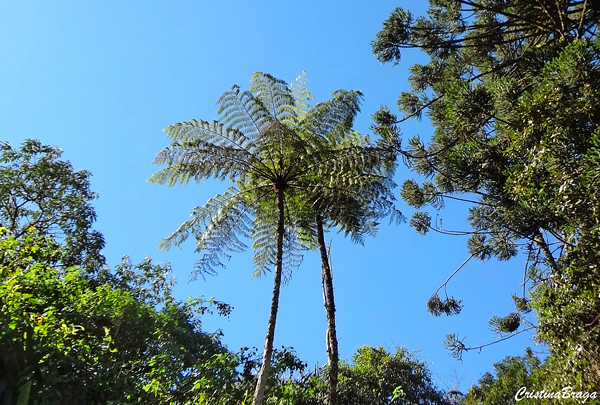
[[241, 111], [334, 118], [301, 96], [275, 95], [219, 227]]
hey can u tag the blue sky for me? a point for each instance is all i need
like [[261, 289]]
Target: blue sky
[[102, 79]]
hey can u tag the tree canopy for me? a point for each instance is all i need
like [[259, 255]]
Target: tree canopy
[[72, 339], [512, 91], [40, 190]]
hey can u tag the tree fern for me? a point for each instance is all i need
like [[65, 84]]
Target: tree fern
[[293, 169], [274, 95], [302, 96]]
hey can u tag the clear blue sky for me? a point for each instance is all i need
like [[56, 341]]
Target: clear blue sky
[[102, 79]]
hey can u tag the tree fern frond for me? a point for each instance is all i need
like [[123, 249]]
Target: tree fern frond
[[219, 228], [334, 118], [340, 165], [301, 96], [281, 144], [292, 257], [202, 137], [264, 237], [207, 265], [354, 191], [196, 132], [275, 95], [160, 177], [242, 111], [203, 162]]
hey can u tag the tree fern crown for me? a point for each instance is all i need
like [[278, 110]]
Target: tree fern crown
[[269, 139]]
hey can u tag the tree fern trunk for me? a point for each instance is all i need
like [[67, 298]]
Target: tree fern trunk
[[270, 337], [332, 343]]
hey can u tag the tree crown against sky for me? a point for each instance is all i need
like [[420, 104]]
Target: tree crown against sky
[[270, 138], [512, 91], [292, 168], [40, 190]]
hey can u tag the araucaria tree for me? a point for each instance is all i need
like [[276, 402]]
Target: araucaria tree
[[512, 89], [290, 166]]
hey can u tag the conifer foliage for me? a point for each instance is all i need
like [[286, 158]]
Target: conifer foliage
[[512, 89], [290, 167]]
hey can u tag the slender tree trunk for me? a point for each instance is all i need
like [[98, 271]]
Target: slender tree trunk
[[331, 338], [263, 374]]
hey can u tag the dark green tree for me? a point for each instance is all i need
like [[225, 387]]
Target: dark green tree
[[286, 161], [511, 374], [524, 380], [512, 91], [374, 376], [40, 190], [66, 339], [379, 377]]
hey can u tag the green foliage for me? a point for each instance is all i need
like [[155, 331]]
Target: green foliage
[[526, 380], [374, 376], [513, 92], [507, 324], [449, 306], [71, 338], [511, 375], [377, 376], [67, 338], [40, 190]]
